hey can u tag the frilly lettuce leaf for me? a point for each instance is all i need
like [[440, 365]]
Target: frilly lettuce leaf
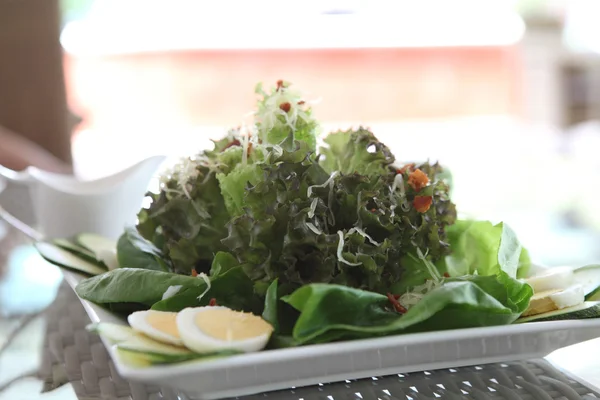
[[233, 185], [187, 218], [283, 117], [302, 225], [358, 151], [231, 289], [479, 247]]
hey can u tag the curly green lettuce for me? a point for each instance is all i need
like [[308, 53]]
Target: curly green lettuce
[[283, 117], [343, 216], [187, 219], [352, 224]]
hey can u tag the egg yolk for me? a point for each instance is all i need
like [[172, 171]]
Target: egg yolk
[[229, 325], [165, 322]]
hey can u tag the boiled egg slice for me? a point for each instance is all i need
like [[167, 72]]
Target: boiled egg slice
[[205, 329], [555, 299], [159, 325], [552, 278]]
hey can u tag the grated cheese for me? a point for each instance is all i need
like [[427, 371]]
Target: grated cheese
[[340, 248], [363, 234], [171, 291], [206, 279], [399, 184], [313, 228], [411, 298], [313, 207], [328, 182]]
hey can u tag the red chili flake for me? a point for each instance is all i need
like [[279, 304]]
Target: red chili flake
[[301, 102], [373, 210], [212, 302], [286, 107], [279, 84], [396, 304], [418, 180], [234, 143], [447, 275], [194, 273], [397, 296], [408, 167], [422, 203]]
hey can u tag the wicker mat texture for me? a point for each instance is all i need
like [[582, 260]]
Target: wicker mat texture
[[71, 354]]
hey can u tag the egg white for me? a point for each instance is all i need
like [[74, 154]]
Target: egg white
[[553, 278], [197, 340], [138, 321]]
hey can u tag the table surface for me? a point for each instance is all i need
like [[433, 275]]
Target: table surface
[[28, 285]]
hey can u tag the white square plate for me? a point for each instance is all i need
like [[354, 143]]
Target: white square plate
[[310, 365]]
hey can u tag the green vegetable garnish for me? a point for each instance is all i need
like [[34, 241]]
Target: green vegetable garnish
[[332, 243]]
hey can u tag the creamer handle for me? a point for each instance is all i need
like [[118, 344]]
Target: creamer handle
[[21, 177], [21, 226], [14, 176]]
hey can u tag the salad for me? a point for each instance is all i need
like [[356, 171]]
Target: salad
[[270, 240]]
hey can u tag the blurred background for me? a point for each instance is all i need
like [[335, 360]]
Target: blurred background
[[504, 93]]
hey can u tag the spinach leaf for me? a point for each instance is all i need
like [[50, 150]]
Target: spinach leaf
[[414, 273], [231, 289], [270, 310], [222, 263], [333, 312], [125, 309], [281, 342], [133, 251], [132, 285]]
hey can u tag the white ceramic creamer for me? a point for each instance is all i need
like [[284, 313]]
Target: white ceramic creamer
[[59, 206]]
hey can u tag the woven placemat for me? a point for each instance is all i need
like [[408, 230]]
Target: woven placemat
[[72, 354]]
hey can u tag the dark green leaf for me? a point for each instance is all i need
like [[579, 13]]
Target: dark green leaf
[[133, 251], [231, 289], [222, 263], [332, 312], [132, 285], [270, 310], [125, 309], [281, 342]]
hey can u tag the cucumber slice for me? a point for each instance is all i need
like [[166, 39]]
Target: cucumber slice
[[113, 332], [588, 277], [96, 244], [594, 295], [146, 358], [155, 352], [75, 249], [589, 309], [64, 258], [139, 350], [133, 358]]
